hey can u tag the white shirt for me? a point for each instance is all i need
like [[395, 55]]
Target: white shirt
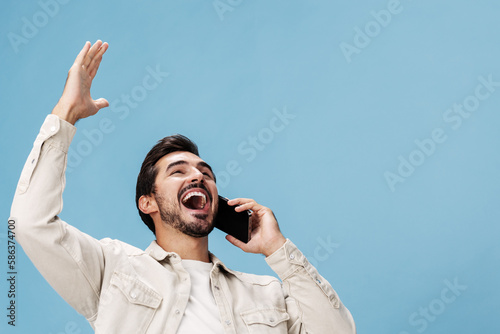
[[202, 314]]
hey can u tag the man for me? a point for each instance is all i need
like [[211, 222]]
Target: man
[[176, 285]]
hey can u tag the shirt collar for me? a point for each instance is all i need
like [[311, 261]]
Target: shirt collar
[[159, 254], [218, 263]]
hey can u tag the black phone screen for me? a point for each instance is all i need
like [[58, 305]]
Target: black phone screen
[[231, 222]]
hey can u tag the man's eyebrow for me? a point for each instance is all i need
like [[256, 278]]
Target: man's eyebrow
[[183, 162], [204, 164], [176, 163]]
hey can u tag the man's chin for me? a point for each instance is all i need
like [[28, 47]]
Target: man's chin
[[201, 224], [198, 231], [200, 217]]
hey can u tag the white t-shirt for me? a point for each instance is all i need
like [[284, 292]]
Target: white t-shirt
[[202, 314]]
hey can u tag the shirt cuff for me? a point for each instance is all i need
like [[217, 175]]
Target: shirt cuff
[[285, 260], [54, 132], [57, 132]]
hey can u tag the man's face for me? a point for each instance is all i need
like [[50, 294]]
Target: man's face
[[186, 193]]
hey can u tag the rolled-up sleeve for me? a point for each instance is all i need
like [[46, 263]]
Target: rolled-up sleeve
[[313, 304], [70, 260]]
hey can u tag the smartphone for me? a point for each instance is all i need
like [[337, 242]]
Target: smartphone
[[231, 222]]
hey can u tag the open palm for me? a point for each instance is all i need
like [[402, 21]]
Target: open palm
[[76, 102]]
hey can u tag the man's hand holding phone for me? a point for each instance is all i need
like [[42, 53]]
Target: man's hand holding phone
[[266, 236]]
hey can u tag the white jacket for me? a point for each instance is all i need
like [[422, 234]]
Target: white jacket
[[122, 289]]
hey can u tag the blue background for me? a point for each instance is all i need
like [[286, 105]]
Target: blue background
[[353, 116]]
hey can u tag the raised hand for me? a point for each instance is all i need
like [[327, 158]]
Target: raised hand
[[76, 102], [266, 235]]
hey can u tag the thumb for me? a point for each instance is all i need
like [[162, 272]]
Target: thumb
[[236, 242], [101, 103]]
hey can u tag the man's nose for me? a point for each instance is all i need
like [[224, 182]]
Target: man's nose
[[196, 175]]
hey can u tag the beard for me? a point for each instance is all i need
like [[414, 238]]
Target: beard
[[200, 227]]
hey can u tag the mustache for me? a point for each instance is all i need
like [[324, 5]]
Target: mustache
[[195, 185]]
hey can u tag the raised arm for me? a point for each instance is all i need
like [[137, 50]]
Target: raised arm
[[70, 260]]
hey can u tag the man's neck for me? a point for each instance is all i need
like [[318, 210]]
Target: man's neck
[[187, 247]]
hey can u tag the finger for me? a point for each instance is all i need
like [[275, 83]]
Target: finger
[[101, 103], [239, 201], [90, 55], [94, 64], [252, 206], [245, 204], [92, 72], [94, 67], [79, 59]]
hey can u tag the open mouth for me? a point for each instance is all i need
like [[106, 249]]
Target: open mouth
[[194, 200]]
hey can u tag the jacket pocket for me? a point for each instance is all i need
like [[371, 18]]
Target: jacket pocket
[[266, 320], [127, 306]]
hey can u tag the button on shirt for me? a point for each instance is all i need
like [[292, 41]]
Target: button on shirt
[[122, 289]]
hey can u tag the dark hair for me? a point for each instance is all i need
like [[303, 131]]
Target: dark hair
[[147, 175]]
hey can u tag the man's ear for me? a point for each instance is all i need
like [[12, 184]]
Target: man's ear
[[147, 204]]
